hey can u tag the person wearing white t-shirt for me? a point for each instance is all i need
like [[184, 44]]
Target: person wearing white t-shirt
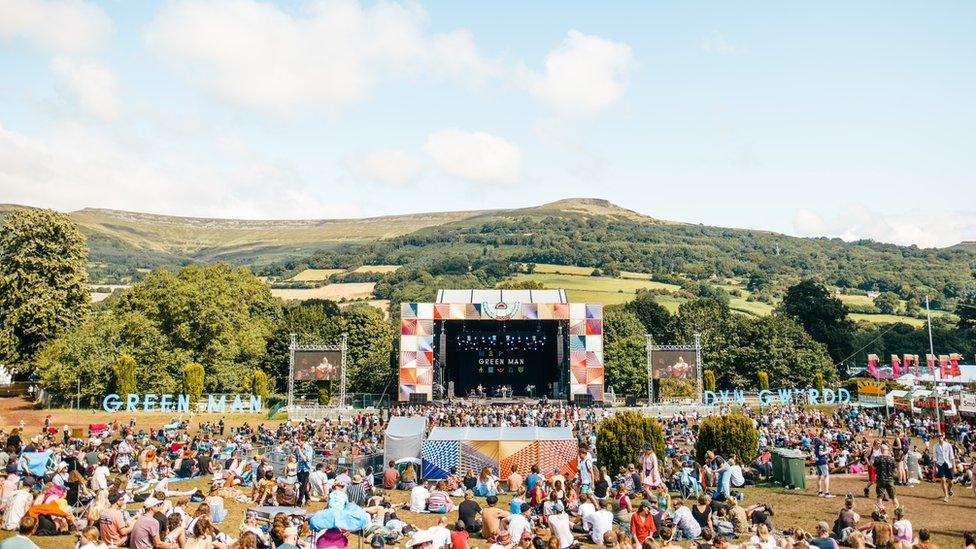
[[945, 460], [99, 480], [520, 523], [440, 533], [559, 526], [598, 524], [418, 498], [586, 507]]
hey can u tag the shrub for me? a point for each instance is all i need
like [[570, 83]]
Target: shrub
[[818, 381], [193, 375], [324, 389], [259, 384], [763, 380], [621, 438], [727, 435], [125, 375], [708, 380]]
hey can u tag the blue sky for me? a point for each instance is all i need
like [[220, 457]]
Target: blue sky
[[842, 119]]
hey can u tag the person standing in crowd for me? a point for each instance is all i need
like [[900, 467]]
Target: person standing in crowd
[[884, 467], [821, 452], [584, 468], [945, 463]]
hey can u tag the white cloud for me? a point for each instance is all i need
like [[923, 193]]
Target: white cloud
[[77, 166], [391, 166], [927, 230], [584, 75], [325, 54], [56, 26], [94, 86], [475, 156], [717, 44]]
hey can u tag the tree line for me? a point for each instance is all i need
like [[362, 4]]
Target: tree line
[[217, 328]]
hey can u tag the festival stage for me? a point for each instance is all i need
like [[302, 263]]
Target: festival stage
[[501, 346]]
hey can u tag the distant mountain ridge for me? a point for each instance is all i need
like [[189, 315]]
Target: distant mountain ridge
[[587, 232]]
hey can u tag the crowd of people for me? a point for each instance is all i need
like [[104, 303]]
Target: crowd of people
[[126, 486]]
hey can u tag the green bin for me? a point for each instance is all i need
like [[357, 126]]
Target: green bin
[[793, 468]]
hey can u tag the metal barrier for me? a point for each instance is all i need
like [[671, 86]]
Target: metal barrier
[[278, 457]]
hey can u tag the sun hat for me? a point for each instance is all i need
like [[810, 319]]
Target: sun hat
[[151, 502]]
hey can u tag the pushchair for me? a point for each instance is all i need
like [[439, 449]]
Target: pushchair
[[687, 483]]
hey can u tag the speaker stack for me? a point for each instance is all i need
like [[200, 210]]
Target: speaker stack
[[418, 398]]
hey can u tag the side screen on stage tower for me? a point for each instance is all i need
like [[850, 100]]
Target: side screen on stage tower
[[318, 365], [674, 364]]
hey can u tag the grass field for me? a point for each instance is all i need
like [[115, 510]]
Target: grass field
[[545, 268], [347, 290], [856, 300], [382, 269], [315, 275], [887, 319]]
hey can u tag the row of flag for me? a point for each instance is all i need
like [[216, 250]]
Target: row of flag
[[909, 364]]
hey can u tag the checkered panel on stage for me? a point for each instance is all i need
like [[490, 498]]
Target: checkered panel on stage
[[438, 457], [408, 310], [530, 311], [577, 327], [408, 376], [408, 326], [577, 343], [578, 373], [557, 453], [594, 310]]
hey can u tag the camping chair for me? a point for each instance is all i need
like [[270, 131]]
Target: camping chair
[[687, 483], [37, 464]]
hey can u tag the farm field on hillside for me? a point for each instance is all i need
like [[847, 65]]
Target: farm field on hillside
[[382, 269], [315, 275], [348, 290], [887, 319]]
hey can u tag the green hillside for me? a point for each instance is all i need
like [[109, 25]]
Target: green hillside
[[564, 238]]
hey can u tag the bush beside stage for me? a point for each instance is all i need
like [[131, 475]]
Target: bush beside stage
[[621, 438], [727, 435]]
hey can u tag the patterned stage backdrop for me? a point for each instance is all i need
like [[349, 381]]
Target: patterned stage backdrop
[[439, 456], [417, 339]]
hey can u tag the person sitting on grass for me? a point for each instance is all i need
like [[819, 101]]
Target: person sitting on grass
[[438, 501], [492, 517], [266, 490]]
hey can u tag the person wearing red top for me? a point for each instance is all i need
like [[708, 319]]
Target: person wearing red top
[[642, 524], [459, 537], [390, 476]]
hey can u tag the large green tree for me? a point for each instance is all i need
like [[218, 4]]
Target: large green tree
[[219, 315], [822, 315], [652, 315], [43, 282], [777, 346], [625, 356]]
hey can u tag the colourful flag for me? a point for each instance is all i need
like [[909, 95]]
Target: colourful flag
[[895, 366], [954, 359], [929, 365], [873, 365], [943, 366]]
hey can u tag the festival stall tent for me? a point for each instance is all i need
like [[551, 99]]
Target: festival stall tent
[[498, 448], [404, 438]]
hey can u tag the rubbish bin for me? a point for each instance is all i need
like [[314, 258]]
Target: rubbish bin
[[793, 468], [777, 461]]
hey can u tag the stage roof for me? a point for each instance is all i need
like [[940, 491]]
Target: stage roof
[[501, 433], [501, 296]]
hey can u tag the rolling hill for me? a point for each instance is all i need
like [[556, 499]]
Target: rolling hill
[[584, 232]]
